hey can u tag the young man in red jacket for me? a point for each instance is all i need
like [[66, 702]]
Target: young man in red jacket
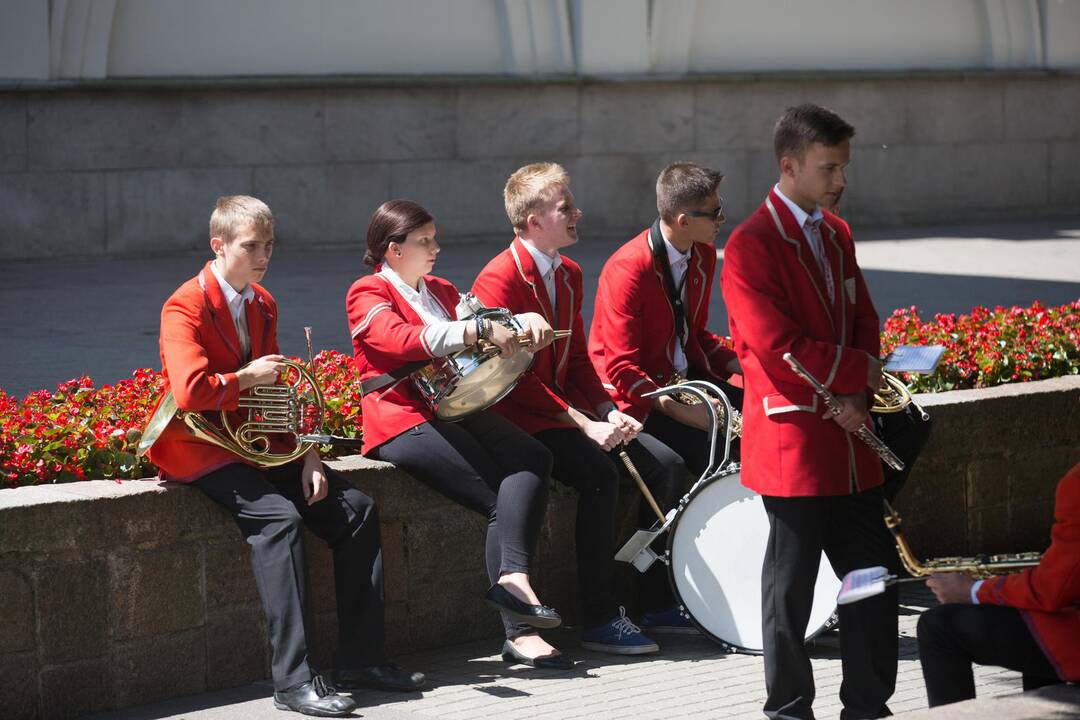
[[791, 284], [652, 308], [561, 402], [1028, 621], [218, 339]]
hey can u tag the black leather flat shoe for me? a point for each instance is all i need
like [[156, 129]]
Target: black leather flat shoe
[[556, 661], [314, 697], [539, 616], [379, 677]]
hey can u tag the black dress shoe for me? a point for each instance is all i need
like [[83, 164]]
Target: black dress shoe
[[379, 677], [539, 616], [314, 697], [554, 661]]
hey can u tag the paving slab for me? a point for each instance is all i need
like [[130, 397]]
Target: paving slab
[[690, 678]]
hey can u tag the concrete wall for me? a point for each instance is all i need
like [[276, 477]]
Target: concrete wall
[[133, 170], [114, 595]]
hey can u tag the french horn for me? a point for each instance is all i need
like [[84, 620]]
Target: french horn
[[293, 407]]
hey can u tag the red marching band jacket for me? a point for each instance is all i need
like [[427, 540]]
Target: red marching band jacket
[[386, 334], [561, 374], [632, 340], [777, 302], [200, 354], [1048, 595]]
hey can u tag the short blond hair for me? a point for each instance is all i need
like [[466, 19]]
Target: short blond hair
[[233, 212], [529, 188]]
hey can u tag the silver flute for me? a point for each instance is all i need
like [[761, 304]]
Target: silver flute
[[863, 433]]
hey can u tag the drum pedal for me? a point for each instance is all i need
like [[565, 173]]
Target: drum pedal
[[637, 552]]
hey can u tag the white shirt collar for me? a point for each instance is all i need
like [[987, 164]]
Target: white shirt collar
[[411, 294], [801, 216], [544, 264], [421, 299], [234, 299], [674, 256]]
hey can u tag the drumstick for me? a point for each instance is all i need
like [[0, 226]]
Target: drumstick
[[522, 340], [640, 482]]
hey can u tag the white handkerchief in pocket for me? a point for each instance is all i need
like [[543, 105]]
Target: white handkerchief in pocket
[[849, 285]]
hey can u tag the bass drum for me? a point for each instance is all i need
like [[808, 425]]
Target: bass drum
[[716, 547]]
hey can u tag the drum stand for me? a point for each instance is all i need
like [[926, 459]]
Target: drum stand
[[638, 551]]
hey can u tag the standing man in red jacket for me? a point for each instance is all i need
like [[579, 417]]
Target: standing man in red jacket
[[791, 284], [1028, 622], [561, 402], [652, 307]]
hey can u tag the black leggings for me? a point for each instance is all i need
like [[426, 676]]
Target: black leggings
[[492, 467], [953, 636]]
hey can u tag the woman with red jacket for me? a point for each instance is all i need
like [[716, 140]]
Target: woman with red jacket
[[401, 314], [1028, 622]]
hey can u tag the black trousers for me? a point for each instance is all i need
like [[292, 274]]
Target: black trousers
[[271, 512], [579, 463], [492, 467], [952, 637], [850, 530]]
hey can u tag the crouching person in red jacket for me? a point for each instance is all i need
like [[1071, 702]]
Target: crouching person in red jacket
[[1028, 622], [219, 338]]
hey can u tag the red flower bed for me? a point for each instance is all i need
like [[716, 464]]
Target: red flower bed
[[991, 347], [81, 432]]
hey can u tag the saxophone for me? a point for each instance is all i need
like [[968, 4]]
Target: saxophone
[[978, 566]]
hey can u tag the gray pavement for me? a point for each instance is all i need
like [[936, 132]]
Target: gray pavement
[[99, 316], [689, 678]]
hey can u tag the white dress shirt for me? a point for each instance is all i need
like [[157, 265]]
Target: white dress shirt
[[811, 227], [546, 266], [237, 302], [680, 263], [442, 335]]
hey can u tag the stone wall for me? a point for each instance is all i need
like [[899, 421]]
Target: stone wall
[[985, 481], [133, 167], [117, 594]]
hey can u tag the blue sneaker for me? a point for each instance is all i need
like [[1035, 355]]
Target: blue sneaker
[[671, 621], [619, 637]]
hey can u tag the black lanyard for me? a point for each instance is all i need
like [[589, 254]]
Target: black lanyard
[[674, 292]]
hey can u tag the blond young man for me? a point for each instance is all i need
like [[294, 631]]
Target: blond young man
[[219, 338], [562, 403]]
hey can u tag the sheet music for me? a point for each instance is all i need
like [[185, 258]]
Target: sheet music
[[921, 359]]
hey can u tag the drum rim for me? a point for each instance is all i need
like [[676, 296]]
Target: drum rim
[[509, 388], [729, 469]]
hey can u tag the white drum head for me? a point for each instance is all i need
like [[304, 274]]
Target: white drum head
[[717, 549], [483, 384]]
